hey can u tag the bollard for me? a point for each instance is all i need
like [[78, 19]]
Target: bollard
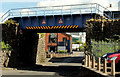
[[62, 54], [86, 58], [113, 68], [89, 61], [58, 54], [54, 54], [105, 66], [51, 55], [98, 64], [93, 62], [65, 54]]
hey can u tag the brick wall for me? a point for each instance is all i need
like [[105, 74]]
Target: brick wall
[[60, 39]]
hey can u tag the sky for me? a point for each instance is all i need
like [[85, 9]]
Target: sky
[[5, 5]]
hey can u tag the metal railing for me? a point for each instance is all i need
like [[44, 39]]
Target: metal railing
[[56, 10]]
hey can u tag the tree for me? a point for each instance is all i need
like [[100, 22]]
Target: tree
[[10, 41]]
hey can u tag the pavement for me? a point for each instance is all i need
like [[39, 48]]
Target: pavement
[[26, 72], [76, 57]]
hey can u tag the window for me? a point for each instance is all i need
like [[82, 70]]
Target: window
[[52, 38], [117, 16], [65, 40]]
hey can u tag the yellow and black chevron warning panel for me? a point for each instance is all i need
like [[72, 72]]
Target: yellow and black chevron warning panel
[[53, 27]]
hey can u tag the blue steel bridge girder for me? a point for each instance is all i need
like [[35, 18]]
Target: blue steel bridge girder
[[54, 20]]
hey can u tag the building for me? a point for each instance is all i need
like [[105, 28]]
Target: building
[[115, 14], [80, 36], [77, 36], [58, 41], [119, 6]]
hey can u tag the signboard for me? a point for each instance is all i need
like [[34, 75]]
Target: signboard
[[43, 22], [60, 21], [61, 47]]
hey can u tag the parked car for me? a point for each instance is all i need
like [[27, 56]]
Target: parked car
[[115, 57], [108, 54]]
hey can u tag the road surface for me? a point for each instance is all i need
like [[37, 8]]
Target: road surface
[[57, 67]]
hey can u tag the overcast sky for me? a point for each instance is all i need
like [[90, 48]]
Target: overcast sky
[[9, 4]]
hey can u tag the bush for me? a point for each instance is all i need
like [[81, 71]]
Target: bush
[[62, 51], [5, 47], [73, 42], [81, 47], [47, 52], [102, 47], [77, 42]]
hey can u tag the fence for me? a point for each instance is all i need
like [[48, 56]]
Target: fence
[[91, 63]]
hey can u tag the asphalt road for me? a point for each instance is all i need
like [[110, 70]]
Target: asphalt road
[[60, 67], [76, 57]]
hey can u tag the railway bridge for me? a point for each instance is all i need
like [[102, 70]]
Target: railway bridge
[[66, 18], [56, 18]]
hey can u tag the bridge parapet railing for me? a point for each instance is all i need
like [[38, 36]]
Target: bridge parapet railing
[[56, 10]]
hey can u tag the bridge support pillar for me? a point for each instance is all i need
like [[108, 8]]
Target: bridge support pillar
[[41, 54]]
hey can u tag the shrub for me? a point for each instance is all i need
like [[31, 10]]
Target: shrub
[[62, 51], [47, 52], [102, 47], [81, 47], [5, 47]]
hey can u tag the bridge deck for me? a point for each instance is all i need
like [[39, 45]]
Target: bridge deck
[[75, 21]]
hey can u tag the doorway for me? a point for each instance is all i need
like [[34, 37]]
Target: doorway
[[52, 49]]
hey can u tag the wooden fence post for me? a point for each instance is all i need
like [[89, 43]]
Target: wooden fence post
[[89, 64], [86, 60], [105, 66], [51, 55], [98, 64], [54, 54], [113, 68], [93, 62]]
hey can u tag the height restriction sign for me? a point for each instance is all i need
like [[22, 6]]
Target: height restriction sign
[[43, 22], [60, 21]]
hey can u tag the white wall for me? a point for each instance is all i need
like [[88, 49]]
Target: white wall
[[119, 6], [81, 35]]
